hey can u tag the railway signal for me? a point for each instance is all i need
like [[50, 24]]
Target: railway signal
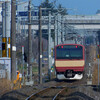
[[98, 56], [52, 68], [3, 46], [25, 57]]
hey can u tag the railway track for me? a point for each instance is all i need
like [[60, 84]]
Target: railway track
[[71, 98], [46, 94], [64, 90], [54, 93], [51, 93], [70, 94], [59, 93], [56, 96], [56, 89]]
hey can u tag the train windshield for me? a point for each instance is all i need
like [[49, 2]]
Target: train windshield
[[69, 52]]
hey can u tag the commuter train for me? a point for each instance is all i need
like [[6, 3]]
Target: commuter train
[[69, 61]]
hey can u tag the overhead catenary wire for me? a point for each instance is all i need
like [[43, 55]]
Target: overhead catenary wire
[[58, 12]]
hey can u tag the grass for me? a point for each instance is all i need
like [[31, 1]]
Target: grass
[[66, 90], [35, 69]]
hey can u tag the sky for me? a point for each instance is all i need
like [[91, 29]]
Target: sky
[[79, 7], [83, 7]]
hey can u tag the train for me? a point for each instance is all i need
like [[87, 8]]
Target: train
[[69, 61]]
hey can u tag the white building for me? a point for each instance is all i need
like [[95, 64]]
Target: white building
[[5, 68]]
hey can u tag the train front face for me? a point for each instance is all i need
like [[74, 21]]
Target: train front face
[[69, 61]]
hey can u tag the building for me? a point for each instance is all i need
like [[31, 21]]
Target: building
[[5, 68]]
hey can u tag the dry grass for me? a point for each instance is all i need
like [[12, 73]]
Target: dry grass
[[95, 75], [5, 86], [93, 58]]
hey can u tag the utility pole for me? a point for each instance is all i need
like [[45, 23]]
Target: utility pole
[[23, 62], [98, 63], [55, 27], [63, 32], [29, 43], [7, 25], [3, 30], [59, 29], [13, 40], [40, 46], [49, 46], [6, 18]]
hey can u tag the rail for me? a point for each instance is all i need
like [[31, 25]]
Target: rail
[[37, 94]]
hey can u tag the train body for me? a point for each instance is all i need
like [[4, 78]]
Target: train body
[[69, 61]]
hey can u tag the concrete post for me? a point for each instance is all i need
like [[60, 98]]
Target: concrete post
[[55, 27], [49, 46], [8, 25], [59, 29]]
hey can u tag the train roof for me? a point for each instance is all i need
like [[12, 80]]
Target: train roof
[[70, 44]]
